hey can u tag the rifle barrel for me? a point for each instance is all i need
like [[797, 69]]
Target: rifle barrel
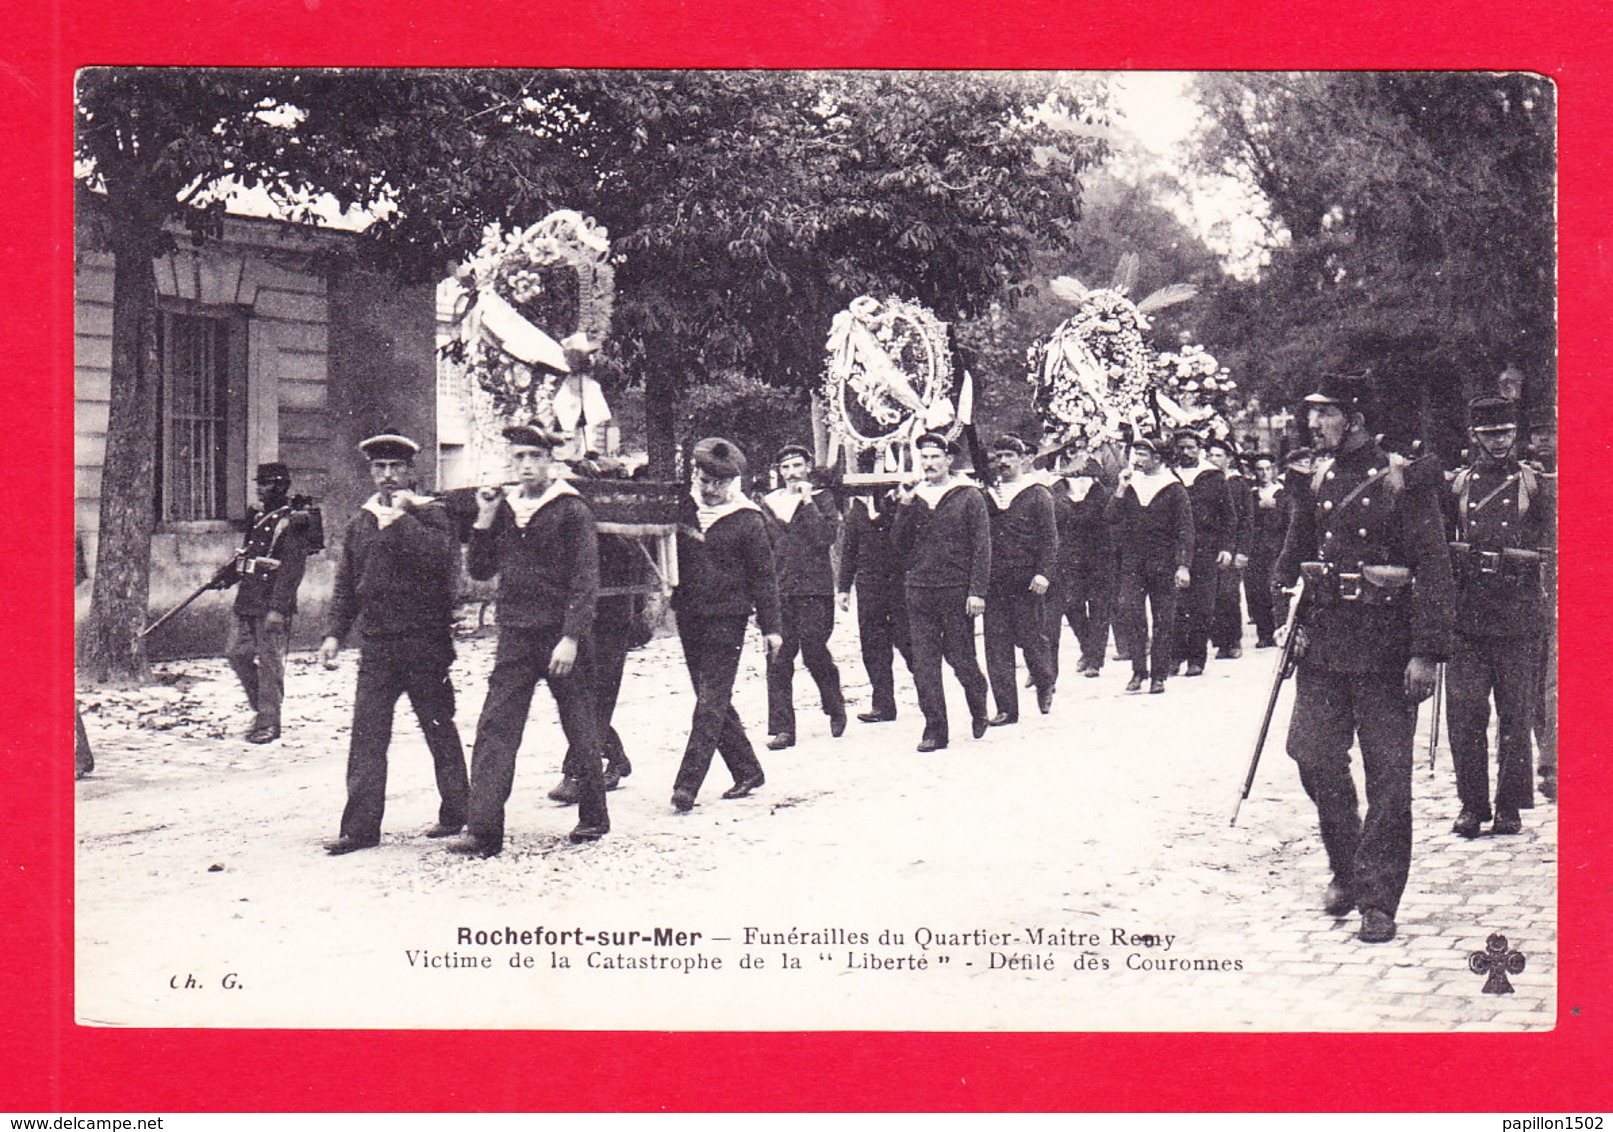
[[1284, 656]]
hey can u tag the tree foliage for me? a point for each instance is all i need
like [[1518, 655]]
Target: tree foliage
[[1417, 233]]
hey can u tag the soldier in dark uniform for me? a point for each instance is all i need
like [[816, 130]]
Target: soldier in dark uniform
[[1543, 458], [725, 566], [1214, 527], [1083, 587], [279, 539], [1227, 629], [396, 581], [540, 539], [943, 533], [1504, 519], [1024, 556], [1268, 523], [1370, 528], [1153, 524], [868, 561], [801, 523]]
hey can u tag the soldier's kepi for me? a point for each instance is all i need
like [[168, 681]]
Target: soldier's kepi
[[1504, 515], [1369, 542]]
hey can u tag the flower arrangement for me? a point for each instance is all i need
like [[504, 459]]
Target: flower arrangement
[[1092, 374], [887, 376], [1192, 377], [553, 282]]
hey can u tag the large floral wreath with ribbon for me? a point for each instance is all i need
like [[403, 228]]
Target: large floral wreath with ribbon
[[1091, 376], [887, 378], [538, 304], [1191, 387]]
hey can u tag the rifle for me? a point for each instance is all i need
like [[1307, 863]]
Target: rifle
[[1433, 730], [1286, 660], [240, 562], [223, 578]]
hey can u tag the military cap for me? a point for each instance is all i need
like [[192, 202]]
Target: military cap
[[1256, 457], [1296, 456], [1010, 443], [1491, 414], [1182, 434], [719, 458], [1219, 442], [1541, 418], [389, 446], [936, 440], [533, 435], [793, 450], [1154, 444], [1346, 390], [273, 472]]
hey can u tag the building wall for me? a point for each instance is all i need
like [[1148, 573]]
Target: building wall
[[325, 354]]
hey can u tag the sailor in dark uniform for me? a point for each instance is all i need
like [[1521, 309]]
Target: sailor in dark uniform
[[1214, 527], [1227, 628], [540, 539], [1373, 643], [801, 524], [1024, 557], [725, 566], [1504, 520], [1152, 520], [868, 562], [1543, 458], [1268, 523], [943, 533], [396, 581], [1083, 589]]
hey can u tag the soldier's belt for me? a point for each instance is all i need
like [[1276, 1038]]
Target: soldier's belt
[[1331, 583], [259, 565], [1504, 568]]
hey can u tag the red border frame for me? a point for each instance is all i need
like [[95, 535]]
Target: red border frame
[[50, 1064]]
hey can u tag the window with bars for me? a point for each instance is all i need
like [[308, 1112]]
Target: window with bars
[[200, 425]]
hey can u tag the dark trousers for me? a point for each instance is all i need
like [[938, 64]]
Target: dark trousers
[[1546, 706], [807, 623], [612, 631], [943, 630], [1263, 607], [1195, 611], [711, 649], [257, 652], [390, 667], [1142, 595], [1017, 619], [1371, 856], [882, 631], [1508, 669], [1228, 622], [83, 757], [1082, 594], [521, 661]]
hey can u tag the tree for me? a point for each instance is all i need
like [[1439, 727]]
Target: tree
[[1417, 233], [159, 146]]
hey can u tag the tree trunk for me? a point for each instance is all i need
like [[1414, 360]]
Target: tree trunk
[[661, 424], [111, 646]]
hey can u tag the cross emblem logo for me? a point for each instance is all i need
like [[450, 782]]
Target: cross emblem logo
[[1496, 961]]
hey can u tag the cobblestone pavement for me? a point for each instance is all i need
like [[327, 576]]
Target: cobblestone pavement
[[1092, 845]]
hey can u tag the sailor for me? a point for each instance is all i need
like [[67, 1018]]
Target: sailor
[[1543, 457], [396, 581], [1214, 529], [1227, 627], [943, 533], [1083, 587], [802, 527], [1504, 519], [1268, 523], [1024, 557], [1372, 644], [539, 538], [1152, 520], [868, 563]]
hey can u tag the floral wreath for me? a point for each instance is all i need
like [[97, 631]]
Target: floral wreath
[[1091, 375], [539, 300], [887, 377]]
